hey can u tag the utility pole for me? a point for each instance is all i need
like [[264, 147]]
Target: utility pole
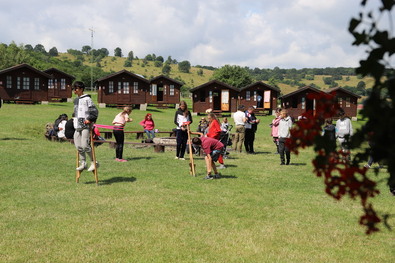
[[92, 31]]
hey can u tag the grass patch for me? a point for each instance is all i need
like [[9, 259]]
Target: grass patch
[[150, 210]]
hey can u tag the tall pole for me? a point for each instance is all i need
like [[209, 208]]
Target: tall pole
[[91, 29]]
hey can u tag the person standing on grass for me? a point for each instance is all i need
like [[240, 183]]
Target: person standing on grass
[[213, 149], [149, 126], [284, 133], [214, 131], [239, 119], [251, 126], [344, 131], [274, 126], [329, 133], [182, 116], [86, 114], [119, 124]]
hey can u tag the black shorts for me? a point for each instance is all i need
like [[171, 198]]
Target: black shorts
[[215, 155]]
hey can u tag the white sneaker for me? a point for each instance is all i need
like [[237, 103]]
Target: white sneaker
[[81, 167], [221, 166], [176, 158], [182, 159], [92, 167]]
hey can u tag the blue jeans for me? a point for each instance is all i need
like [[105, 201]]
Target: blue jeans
[[150, 134]]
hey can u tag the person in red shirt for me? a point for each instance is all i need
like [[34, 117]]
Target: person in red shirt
[[149, 126], [213, 149], [214, 131]]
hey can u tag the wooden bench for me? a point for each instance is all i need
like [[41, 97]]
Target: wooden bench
[[139, 134], [158, 147]]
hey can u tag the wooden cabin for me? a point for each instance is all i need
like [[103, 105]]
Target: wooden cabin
[[215, 95], [347, 100], [297, 102], [24, 84], [60, 85], [122, 88], [164, 90], [259, 95]]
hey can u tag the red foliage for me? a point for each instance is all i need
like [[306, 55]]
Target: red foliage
[[341, 176]]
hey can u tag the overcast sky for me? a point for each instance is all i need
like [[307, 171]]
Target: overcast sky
[[252, 33]]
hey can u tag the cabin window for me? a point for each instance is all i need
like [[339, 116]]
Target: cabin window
[[50, 84], [248, 95], [119, 87], [210, 95], [36, 83], [18, 82], [171, 90], [154, 89], [164, 90], [202, 95], [303, 102], [135, 87], [26, 83], [254, 95], [9, 82], [348, 102], [294, 102], [340, 101], [126, 88], [110, 86], [63, 84]]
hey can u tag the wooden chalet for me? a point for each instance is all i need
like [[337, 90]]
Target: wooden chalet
[[122, 88], [24, 84], [164, 90], [259, 95], [59, 85], [297, 102], [347, 100], [215, 95]]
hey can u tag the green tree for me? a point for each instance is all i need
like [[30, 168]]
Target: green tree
[[40, 49], [159, 58], [118, 52], [86, 49], [28, 47], [130, 55], [184, 66], [235, 76], [166, 69], [158, 64], [200, 72], [127, 63], [53, 52]]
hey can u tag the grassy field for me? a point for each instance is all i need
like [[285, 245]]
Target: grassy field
[[151, 210]]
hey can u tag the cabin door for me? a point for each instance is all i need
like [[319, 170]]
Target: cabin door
[[216, 100], [225, 100], [160, 93], [267, 99]]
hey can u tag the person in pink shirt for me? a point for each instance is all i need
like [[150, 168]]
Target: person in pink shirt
[[119, 123], [274, 126], [149, 126]]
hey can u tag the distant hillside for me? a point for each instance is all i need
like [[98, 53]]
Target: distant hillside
[[193, 79]]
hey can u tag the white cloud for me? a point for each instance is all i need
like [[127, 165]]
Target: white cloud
[[265, 34]]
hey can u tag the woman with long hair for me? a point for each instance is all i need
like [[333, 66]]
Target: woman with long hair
[[148, 125], [119, 123], [181, 117]]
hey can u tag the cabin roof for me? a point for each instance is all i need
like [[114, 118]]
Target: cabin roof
[[260, 83], [48, 71], [166, 77], [300, 90], [332, 90], [20, 66], [214, 82], [121, 72]]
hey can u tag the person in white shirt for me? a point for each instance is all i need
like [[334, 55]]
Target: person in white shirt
[[239, 119], [284, 133]]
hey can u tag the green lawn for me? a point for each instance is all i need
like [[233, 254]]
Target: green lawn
[[151, 210]]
